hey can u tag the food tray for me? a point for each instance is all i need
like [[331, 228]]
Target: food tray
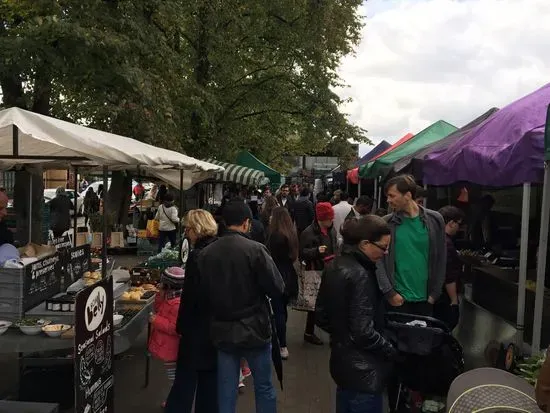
[[143, 275], [140, 302], [128, 314]]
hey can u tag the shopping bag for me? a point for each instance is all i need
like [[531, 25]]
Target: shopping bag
[[309, 282], [152, 228]]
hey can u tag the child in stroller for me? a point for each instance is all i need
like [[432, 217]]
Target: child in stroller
[[430, 358]]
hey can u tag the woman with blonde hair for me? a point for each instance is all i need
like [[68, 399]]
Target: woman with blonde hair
[[196, 377]]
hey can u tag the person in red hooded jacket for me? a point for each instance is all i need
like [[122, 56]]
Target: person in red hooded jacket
[[317, 248], [164, 339]]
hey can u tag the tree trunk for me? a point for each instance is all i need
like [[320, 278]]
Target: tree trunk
[[119, 197], [22, 204]]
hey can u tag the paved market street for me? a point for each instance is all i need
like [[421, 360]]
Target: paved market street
[[307, 386]]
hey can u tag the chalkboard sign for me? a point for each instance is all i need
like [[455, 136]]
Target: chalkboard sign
[[78, 262], [61, 242], [93, 349], [42, 281]]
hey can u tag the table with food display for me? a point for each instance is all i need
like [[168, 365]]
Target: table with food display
[[492, 281], [37, 313], [40, 311]]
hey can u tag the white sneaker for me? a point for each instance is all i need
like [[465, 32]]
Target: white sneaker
[[284, 353]]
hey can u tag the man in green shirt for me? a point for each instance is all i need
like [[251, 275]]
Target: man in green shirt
[[413, 272]]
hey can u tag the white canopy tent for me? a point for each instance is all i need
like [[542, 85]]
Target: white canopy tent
[[29, 138]]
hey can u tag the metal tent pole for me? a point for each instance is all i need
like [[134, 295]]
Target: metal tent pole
[[375, 193], [30, 206], [359, 188], [181, 202], [75, 199], [379, 195], [104, 235], [541, 262], [524, 244], [426, 199]]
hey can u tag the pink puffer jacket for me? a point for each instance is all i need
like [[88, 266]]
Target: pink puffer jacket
[[164, 340]]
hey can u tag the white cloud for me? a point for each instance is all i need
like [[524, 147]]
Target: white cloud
[[424, 60]]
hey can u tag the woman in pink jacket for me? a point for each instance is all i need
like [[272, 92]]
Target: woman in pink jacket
[[164, 340]]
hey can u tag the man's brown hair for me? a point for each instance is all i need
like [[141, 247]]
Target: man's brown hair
[[403, 183]]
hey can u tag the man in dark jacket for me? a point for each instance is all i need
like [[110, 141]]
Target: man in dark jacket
[[446, 308], [238, 274], [412, 274], [285, 199], [60, 209], [6, 236], [304, 213], [317, 248]]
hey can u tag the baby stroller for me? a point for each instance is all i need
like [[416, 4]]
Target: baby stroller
[[430, 358]]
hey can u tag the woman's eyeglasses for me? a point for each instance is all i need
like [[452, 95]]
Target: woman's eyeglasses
[[384, 248]]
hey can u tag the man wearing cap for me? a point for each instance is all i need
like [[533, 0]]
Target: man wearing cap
[[317, 248], [237, 276], [6, 236]]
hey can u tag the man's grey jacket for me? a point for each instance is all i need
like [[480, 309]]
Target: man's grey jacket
[[435, 225]]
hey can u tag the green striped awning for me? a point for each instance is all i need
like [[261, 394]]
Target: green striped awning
[[238, 174]]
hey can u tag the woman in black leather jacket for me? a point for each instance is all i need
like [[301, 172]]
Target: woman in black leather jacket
[[196, 368], [349, 307]]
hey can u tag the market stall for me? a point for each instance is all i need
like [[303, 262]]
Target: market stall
[[505, 150], [364, 168], [35, 293], [412, 163], [352, 175], [232, 174], [541, 293], [380, 167], [248, 160]]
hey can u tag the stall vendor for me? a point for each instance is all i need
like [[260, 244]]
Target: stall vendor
[[6, 236]]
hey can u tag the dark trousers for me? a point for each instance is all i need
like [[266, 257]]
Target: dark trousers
[[349, 401], [421, 308], [191, 385], [310, 323], [280, 311], [167, 236], [448, 314]]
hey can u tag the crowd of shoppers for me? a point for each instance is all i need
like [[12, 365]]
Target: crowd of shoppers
[[238, 286]]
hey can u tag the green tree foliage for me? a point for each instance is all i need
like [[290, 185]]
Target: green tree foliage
[[207, 77]]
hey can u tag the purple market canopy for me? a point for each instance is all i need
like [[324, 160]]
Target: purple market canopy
[[505, 150], [412, 163]]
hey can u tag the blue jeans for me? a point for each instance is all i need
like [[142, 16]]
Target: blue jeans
[[349, 401], [229, 365]]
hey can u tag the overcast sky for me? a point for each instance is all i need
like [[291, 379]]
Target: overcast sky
[[424, 60]]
